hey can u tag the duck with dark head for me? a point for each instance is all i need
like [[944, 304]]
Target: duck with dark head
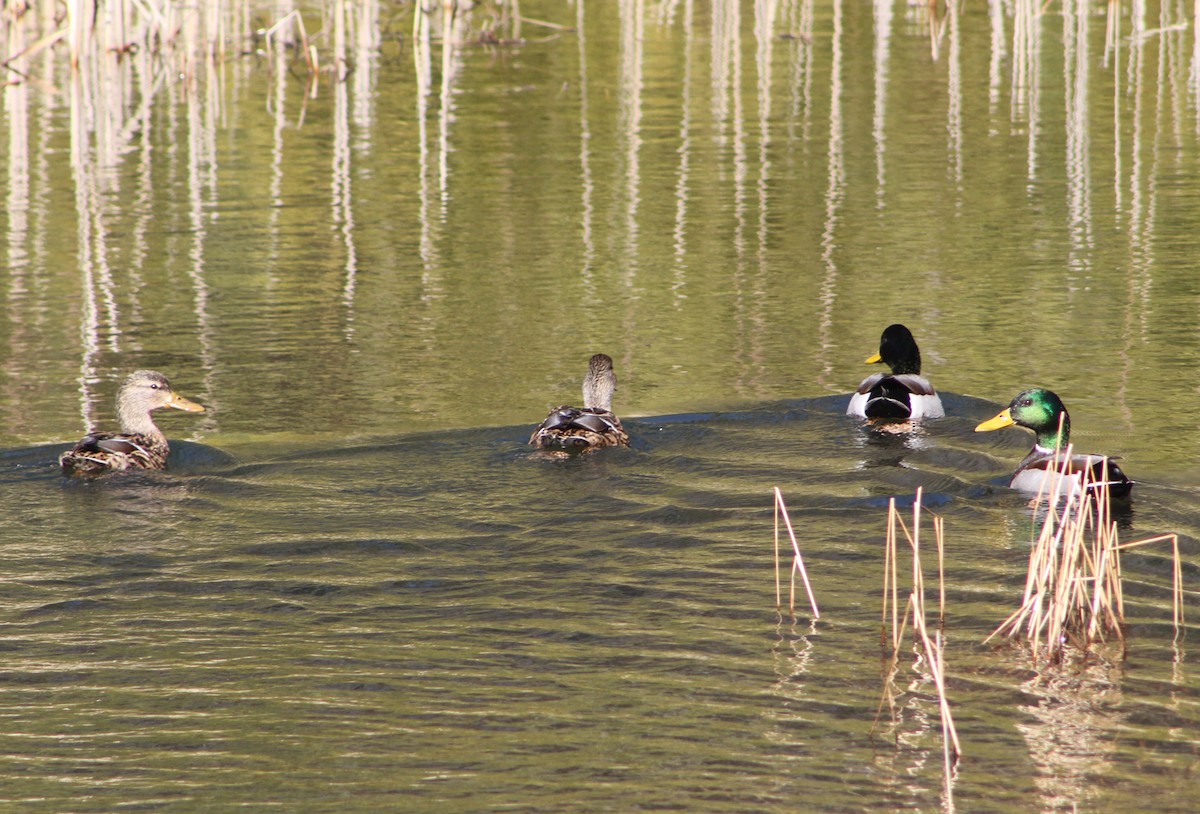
[[904, 393]]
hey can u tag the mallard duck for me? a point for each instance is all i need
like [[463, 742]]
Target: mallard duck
[[902, 394], [140, 444], [581, 429], [1043, 412]]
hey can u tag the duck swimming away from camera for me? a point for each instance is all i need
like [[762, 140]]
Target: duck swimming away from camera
[[593, 426], [902, 394]]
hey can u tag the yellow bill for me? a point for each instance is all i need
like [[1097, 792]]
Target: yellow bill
[[999, 422], [180, 403]]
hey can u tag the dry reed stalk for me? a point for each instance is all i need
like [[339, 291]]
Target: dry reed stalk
[[931, 647], [797, 561], [937, 28], [306, 47], [48, 41], [516, 19], [190, 38], [778, 588], [939, 535], [98, 34], [1112, 31], [889, 577], [341, 66], [1177, 575], [1073, 591], [543, 23]]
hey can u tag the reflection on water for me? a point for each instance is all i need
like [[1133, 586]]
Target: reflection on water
[[833, 200], [1073, 716], [127, 143], [376, 240]]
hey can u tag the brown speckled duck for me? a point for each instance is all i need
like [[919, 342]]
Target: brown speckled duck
[[140, 444], [593, 426]]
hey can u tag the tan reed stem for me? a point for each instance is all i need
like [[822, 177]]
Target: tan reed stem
[[932, 647], [797, 560], [778, 588], [1073, 587], [889, 574]]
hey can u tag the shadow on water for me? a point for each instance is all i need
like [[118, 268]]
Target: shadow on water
[[806, 446], [187, 457]]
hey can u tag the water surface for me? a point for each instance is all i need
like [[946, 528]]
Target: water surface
[[357, 590]]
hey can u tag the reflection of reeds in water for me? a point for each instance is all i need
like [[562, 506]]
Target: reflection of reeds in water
[[1073, 592], [797, 566], [192, 39], [929, 646], [1068, 721], [200, 40], [128, 58]]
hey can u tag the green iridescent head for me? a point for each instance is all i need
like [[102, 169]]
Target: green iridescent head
[[1041, 411]]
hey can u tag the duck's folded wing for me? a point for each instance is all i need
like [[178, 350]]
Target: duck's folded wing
[[870, 382], [1101, 470], [917, 385], [125, 446], [597, 421]]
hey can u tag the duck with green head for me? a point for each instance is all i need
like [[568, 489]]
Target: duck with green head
[[140, 444], [583, 429], [904, 393], [1043, 412]]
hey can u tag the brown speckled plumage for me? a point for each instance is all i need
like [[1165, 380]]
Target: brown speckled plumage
[[140, 444], [593, 426]]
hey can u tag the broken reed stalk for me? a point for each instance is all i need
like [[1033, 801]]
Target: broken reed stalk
[[797, 561], [1073, 587], [1177, 575], [306, 48], [931, 647]]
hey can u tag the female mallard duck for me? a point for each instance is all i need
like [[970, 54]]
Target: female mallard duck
[[140, 444], [904, 393], [580, 429], [1043, 412]]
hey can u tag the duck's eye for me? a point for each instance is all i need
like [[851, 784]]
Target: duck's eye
[[1026, 402], [153, 386]]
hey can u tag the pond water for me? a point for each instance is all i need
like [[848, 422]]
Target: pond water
[[356, 590]]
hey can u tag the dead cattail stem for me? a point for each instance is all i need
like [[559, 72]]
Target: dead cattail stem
[[1073, 591], [930, 646], [797, 559], [889, 575]]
